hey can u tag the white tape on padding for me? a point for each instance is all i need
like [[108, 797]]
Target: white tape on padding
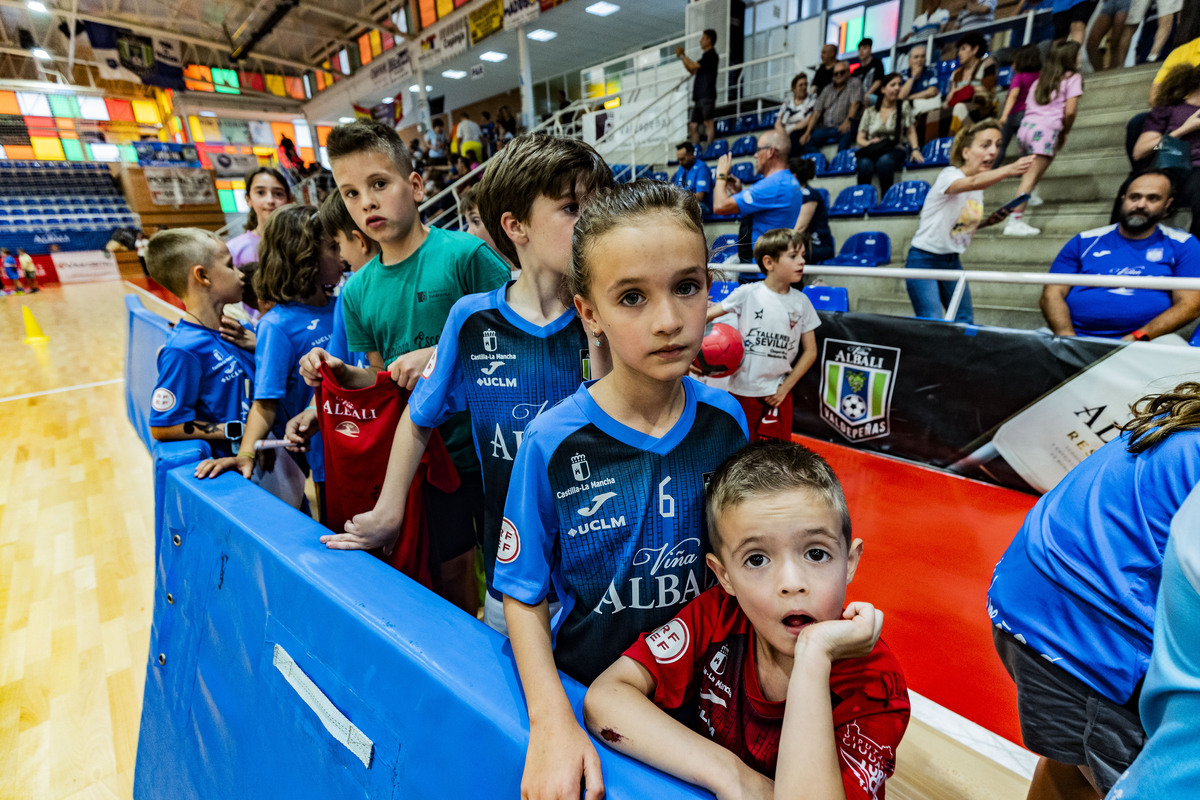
[[337, 723]]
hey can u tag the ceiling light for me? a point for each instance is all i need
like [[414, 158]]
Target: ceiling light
[[40, 53], [541, 35], [454, 74], [34, 5], [388, 100], [208, 113], [345, 120], [602, 9], [492, 55]]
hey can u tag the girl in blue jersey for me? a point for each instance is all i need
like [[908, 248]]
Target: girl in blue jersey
[[296, 264], [607, 491]]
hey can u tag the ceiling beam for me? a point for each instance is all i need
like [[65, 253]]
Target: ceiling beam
[[317, 8]]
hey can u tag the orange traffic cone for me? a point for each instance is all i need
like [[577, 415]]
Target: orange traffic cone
[[33, 331]]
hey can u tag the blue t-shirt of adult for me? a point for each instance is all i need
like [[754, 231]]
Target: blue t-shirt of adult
[[1078, 583], [773, 202], [696, 179], [818, 226], [1098, 311]]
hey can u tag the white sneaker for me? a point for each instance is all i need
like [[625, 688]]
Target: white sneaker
[[1019, 227], [1035, 200]]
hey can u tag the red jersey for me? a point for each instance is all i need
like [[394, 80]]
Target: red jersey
[[359, 426], [705, 656]]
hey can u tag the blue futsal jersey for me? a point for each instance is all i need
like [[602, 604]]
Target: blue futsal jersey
[[201, 377], [338, 346], [614, 519], [285, 334], [505, 370]]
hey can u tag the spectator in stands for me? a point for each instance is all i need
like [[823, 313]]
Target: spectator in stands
[[488, 130], [506, 126], [693, 175], [824, 74], [140, 246], [971, 97], [1136, 245], [813, 221], [976, 12], [1071, 18], [418, 155], [837, 107], [470, 138], [1167, 10], [921, 89], [870, 70], [773, 202], [1049, 114], [266, 190], [929, 22], [437, 144], [793, 116], [1109, 22], [704, 87], [885, 134], [1177, 114], [1073, 598], [952, 212], [1027, 65]]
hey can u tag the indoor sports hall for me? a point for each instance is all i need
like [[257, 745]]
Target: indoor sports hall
[[991, 339]]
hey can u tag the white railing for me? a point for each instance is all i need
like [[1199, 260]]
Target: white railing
[[963, 277]]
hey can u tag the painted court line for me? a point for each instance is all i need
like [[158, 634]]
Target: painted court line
[[108, 382], [988, 744]]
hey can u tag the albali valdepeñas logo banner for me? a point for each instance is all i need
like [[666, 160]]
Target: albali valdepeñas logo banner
[[856, 388]]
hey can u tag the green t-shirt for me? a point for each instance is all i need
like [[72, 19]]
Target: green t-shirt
[[393, 309]]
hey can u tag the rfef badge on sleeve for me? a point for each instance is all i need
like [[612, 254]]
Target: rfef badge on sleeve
[[856, 388]]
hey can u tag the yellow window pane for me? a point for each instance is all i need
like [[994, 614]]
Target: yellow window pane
[[197, 132], [46, 148], [146, 112]]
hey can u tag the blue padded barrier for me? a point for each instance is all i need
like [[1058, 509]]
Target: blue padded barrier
[[147, 334], [253, 594]]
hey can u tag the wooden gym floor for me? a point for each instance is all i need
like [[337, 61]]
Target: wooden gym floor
[[77, 572]]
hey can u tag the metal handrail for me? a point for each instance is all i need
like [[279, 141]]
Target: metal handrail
[[963, 277]]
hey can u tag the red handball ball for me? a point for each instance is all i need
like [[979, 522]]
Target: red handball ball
[[721, 352]]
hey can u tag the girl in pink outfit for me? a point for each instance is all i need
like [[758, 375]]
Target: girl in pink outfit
[[1027, 64], [266, 190], [1049, 114]]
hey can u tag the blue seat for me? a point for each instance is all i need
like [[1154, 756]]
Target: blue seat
[[854, 201], [824, 196], [716, 149], [724, 248], [744, 146], [936, 152], [724, 126], [864, 249], [660, 176], [819, 161], [1004, 76], [767, 119], [720, 290], [828, 298], [746, 122], [744, 172], [620, 172], [844, 163], [905, 197]]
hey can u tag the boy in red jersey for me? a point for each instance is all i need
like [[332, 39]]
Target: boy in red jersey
[[773, 636]]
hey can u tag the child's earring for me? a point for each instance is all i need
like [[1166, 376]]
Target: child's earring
[[596, 336]]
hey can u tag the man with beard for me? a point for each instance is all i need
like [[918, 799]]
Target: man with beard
[[1136, 245], [693, 175]]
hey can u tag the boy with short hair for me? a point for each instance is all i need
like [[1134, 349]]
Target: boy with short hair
[[789, 686], [11, 271], [395, 308], [776, 322], [206, 368], [25, 262], [468, 204], [508, 354]]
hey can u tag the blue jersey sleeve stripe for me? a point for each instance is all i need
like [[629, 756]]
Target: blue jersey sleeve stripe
[[437, 396]]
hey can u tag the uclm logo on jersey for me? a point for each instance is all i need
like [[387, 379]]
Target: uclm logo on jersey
[[347, 429], [579, 467], [489, 341]]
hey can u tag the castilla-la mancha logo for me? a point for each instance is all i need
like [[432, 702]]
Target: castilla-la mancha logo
[[856, 388]]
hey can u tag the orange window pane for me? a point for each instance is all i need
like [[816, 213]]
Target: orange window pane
[[320, 81], [364, 49], [8, 103], [119, 110], [66, 124], [323, 134], [295, 87], [198, 78], [281, 129], [18, 151], [46, 148], [224, 184], [428, 13], [306, 154]]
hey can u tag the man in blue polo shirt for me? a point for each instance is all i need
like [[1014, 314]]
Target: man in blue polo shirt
[[773, 202], [1136, 245], [693, 175]]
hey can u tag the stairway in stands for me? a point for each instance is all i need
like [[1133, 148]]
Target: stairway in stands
[[1078, 190]]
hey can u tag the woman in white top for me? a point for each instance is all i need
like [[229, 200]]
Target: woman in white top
[[953, 211], [883, 132], [793, 116]]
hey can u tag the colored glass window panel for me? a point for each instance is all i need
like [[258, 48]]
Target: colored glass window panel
[[33, 104], [364, 49], [66, 124], [198, 78], [145, 112], [428, 10], [223, 183], [306, 154], [343, 60], [19, 151], [3, 154], [276, 86], [444, 7], [323, 134], [64, 105], [47, 148], [228, 200], [376, 43], [325, 159], [386, 41], [265, 152], [128, 154], [225, 81], [295, 87], [303, 137], [320, 81], [73, 150], [235, 131], [194, 126], [281, 129], [93, 108], [119, 110], [8, 103]]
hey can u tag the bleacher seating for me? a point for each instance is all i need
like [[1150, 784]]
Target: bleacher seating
[[864, 249], [819, 162], [744, 146], [724, 248], [767, 119], [746, 122], [828, 298], [723, 126], [720, 290], [936, 153], [1004, 76], [844, 163], [42, 197], [855, 201], [744, 172], [716, 149], [905, 197], [661, 176]]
